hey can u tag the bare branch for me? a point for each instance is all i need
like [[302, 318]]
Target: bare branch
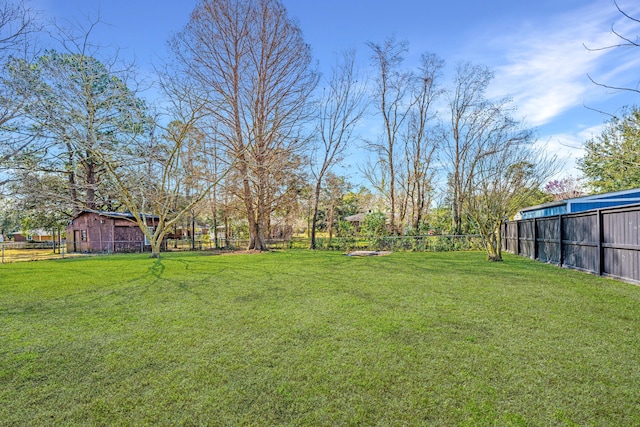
[[612, 87]]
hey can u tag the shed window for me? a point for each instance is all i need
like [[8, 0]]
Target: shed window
[[83, 235], [146, 240]]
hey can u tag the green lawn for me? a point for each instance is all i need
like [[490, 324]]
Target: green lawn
[[303, 338]]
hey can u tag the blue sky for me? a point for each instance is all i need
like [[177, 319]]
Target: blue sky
[[535, 47]]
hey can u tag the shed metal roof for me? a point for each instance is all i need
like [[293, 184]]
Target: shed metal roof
[[584, 203]]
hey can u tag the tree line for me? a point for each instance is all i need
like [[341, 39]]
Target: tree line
[[245, 130]]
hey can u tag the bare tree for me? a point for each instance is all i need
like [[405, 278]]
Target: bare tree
[[169, 177], [18, 22], [392, 85], [342, 106], [474, 123], [421, 140], [165, 180], [505, 180], [251, 62], [335, 190]]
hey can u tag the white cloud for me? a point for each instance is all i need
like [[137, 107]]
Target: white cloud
[[544, 68], [568, 148]]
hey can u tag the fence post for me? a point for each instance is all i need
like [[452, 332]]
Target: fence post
[[518, 237], [505, 237], [3, 253], [561, 254], [600, 231], [535, 238]]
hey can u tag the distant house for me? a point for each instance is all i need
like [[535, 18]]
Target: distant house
[[581, 204], [18, 237], [355, 220], [41, 235], [37, 235], [96, 231]]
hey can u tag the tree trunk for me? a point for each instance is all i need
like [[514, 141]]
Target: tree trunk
[[457, 215], [314, 219], [226, 230], [156, 246], [392, 191], [330, 222], [90, 183], [257, 241], [255, 218], [73, 190], [493, 245], [495, 258], [215, 230]]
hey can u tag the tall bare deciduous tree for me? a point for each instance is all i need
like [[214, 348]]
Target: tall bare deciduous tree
[[250, 60], [341, 106], [403, 170], [421, 141], [474, 122], [392, 86]]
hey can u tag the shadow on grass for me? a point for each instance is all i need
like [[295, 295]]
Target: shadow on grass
[[157, 269]]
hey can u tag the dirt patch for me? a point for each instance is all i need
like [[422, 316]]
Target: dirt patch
[[368, 253]]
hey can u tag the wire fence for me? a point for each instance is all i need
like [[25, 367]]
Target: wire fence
[[439, 243], [24, 251]]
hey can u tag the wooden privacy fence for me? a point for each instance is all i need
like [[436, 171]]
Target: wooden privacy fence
[[605, 242]]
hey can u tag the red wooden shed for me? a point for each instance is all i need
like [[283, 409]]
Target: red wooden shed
[[97, 231]]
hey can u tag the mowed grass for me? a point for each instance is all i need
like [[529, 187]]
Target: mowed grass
[[303, 338]]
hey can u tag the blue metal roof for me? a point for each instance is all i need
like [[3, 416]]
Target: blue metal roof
[[581, 204], [543, 211]]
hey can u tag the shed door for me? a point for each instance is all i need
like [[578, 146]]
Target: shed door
[[76, 239]]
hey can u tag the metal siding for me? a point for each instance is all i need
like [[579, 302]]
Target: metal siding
[[592, 205], [633, 195], [544, 212]]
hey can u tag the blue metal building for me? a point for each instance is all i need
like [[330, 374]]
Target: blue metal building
[[581, 204]]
